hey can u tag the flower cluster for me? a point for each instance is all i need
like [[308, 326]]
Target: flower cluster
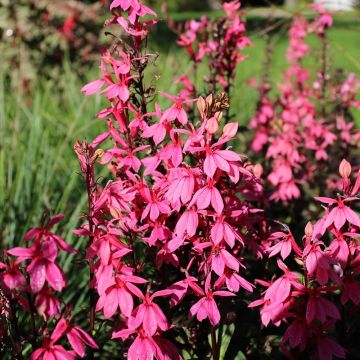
[[179, 203], [309, 122], [221, 42], [308, 300], [32, 288]]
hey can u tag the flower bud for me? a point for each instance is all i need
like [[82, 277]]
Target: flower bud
[[309, 229], [257, 170], [345, 169]]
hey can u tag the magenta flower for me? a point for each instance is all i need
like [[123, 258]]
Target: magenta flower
[[206, 307], [180, 289], [42, 266], [206, 195], [119, 295], [319, 308], [181, 185], [148, 315], [12, 276], [317, 262], [146, 347], [187, 223], [327, 348], [47, 304], [176, 111], [77, 338], [219, 159], [224, 231], [341, 213]]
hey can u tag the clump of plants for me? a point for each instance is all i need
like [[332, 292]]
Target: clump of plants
[[178, 237]]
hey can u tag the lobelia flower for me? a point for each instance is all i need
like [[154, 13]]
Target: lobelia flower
[[12, 276], [42, 266], [147, 347], [47, 304], [206, 307], [148, 315], [341, 213], [119, 295], [176, 111], [206, 195], [76, 337]]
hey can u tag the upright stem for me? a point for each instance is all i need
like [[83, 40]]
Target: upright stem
[[214, 345], [89, 187]]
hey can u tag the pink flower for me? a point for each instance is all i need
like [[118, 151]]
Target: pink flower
[[146, 347], [148, 315], [319, 308], [206, 307], [154, 206], [224, 231], [219, 159], [285, 243], [119, 295], [176, 111], [327, 348], [351, 291], [206, 195], [187, 224], [181, 185], [42, 266], [317, 262], [47, 304], [12, 276], [180, 289], [340, 213]]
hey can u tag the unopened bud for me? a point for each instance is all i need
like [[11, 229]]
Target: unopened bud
[[309, 229], [201, 105], [258, 170], [99, 153], [345, 169]]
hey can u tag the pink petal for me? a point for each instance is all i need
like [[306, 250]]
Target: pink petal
[[37, 274], [216, 200], [55, 276]]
